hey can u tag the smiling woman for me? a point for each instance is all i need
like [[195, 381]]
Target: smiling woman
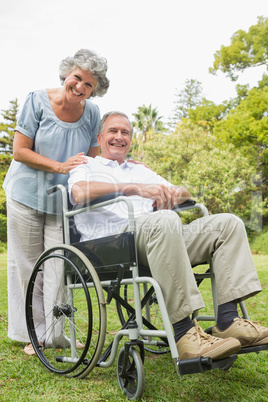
[[81, 83], [68, 103], [56, 129]]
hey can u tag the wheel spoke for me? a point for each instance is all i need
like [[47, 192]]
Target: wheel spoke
[[62, 310]]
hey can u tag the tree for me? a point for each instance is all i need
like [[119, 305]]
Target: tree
[[6, 144], [225, 181], [218, 175], [208, 113], [188, 98], [246, 127], [7, 128], [247, 49], [146, 119]]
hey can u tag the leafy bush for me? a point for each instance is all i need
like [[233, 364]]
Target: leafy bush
[[2, 202], [259, 243], [3, 228], [3, 247], [5, 161]]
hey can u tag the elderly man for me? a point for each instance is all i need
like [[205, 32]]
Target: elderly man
[[168, 247]]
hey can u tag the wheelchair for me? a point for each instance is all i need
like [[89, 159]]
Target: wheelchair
[[68, 328]]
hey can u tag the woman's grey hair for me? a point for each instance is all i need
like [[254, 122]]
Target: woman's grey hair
[[87, 60], [114, 113]]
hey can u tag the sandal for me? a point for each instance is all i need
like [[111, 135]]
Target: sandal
[[29, 350], [79, 345]]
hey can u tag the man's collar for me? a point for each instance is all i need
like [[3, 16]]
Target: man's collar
[[104, 161], [110, 162]]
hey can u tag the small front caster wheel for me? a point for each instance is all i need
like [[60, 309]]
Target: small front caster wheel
[[130, 373]]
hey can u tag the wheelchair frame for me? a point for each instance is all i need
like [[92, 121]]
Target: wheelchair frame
[[81, 279]]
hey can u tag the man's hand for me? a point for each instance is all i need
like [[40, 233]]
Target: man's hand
[[162, 196], [181, 194]]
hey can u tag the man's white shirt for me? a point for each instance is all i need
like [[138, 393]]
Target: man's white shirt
[[113, 218]]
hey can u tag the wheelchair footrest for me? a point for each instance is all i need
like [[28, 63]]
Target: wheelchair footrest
[[201, 364], [251, 349]]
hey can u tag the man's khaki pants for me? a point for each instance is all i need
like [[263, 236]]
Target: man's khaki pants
[[170, 249]]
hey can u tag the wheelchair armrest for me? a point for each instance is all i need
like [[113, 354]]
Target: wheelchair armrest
[[191, 204], [98, 200], [188, 204]]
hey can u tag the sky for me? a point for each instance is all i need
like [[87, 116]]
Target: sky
[[152, 46]]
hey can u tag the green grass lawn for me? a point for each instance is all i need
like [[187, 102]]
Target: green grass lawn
[[25, 378]]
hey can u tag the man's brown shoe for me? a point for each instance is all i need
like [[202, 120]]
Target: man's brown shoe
[[197, 343], [247, 332]]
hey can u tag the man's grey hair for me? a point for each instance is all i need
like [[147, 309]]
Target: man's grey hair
[[87, 60], [114, 113]]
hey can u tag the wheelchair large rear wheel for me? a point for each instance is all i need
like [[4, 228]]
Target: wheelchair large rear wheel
[[66, 312], [152, 318]]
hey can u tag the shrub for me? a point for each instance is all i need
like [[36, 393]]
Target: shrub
[[3, 247], [3, 228], [259, 243]]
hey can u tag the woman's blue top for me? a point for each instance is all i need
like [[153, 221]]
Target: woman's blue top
[[54, 139]]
